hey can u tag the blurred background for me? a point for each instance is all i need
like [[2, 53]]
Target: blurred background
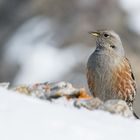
[[48, 40]]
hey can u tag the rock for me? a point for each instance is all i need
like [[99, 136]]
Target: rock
[[52, 90], [90, 104], [64, 93], [113, 106], [117, 107]]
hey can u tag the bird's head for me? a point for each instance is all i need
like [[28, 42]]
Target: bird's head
[[108, 40]]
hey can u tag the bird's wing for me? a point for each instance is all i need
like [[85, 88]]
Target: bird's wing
[[126, 84]]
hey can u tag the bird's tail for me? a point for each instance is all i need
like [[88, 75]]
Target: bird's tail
[[136, 116]]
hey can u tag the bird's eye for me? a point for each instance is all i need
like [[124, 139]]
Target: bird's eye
[[112, 46], [106, 35]]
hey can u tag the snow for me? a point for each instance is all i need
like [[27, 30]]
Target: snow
[[47, 63], [132, 7], [27, 118], [35, 49]]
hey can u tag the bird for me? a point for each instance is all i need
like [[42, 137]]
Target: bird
[[109, 73]]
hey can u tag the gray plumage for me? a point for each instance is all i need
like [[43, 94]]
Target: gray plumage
[[109, 73]]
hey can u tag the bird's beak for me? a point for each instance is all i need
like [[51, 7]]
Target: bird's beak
[[95, 33]]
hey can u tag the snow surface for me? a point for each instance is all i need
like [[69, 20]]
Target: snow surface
[[27, 118]]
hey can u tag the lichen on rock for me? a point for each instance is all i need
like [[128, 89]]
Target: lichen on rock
[[67, 94]]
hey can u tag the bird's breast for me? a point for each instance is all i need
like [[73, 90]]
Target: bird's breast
[[102, 67]]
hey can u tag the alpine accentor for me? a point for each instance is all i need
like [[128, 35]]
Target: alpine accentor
[[109, 72]]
